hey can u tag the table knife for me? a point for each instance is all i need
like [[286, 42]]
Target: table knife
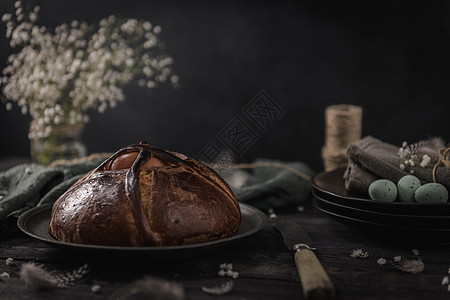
[[315, 281]]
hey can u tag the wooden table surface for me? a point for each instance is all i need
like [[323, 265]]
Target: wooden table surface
[[265, 266]]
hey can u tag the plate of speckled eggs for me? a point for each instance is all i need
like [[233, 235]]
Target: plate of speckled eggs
[[404, 211]]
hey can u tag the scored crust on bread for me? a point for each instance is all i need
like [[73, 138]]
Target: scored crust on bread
[[145, 196]]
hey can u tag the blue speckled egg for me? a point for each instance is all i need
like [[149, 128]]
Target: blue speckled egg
[[407, 186], [431, 193], [383, 190]]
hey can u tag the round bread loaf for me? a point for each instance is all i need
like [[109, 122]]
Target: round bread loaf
[[145, 196]]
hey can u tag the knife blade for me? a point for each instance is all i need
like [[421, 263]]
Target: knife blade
[[316, 283]]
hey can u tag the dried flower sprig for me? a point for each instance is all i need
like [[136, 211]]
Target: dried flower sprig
[[409, 153], [58, 75]]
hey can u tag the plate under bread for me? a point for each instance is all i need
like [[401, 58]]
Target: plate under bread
[[35, 223]]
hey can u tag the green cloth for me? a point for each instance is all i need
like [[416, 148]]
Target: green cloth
[[275, 187], [29, 185]]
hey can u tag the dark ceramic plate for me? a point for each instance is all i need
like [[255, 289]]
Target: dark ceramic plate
[[410, 221], [387, 231], [330, 187], [35, 223]]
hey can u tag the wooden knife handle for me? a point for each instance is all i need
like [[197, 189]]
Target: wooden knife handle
[[315, 281]]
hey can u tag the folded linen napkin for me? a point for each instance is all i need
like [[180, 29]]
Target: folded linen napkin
[[371, 159], [29, 185]]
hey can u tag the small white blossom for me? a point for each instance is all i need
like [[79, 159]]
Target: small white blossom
[[95, 288], [445, 280], [359, 253], [157, 29], [147, 25], [415, 252], [425, 160], [6, 17], [397, 258], [10, 261], [381, 261], [174, 79]]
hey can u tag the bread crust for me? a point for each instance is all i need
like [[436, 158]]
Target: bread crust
[[145, 196]]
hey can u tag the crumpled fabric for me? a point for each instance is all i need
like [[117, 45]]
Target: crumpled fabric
[[273, 186], [29, 185]]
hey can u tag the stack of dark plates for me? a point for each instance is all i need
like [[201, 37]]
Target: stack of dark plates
[[421, 222]]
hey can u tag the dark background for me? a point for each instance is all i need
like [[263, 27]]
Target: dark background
[[391, 58]]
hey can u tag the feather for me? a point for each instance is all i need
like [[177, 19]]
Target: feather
[[412, 266], [36, 277], [155, 288], [223, 289]]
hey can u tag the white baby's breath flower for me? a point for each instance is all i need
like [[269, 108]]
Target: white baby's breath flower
[[157, 29], [149, 43], [397, 258], [174, 79], [147, 25], [359, 253], [78, 66], [147, 71], [6, 18], [33, 16]]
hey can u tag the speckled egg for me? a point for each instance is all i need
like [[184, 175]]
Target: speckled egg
[[383, 190], [431, 193], [407, 186]]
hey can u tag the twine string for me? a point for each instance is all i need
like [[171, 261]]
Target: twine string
[[443, 158], [343, 126]]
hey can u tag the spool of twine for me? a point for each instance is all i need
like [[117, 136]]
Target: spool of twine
[[342, 127]]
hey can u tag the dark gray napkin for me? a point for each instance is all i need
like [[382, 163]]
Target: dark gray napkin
[[371, 159]]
